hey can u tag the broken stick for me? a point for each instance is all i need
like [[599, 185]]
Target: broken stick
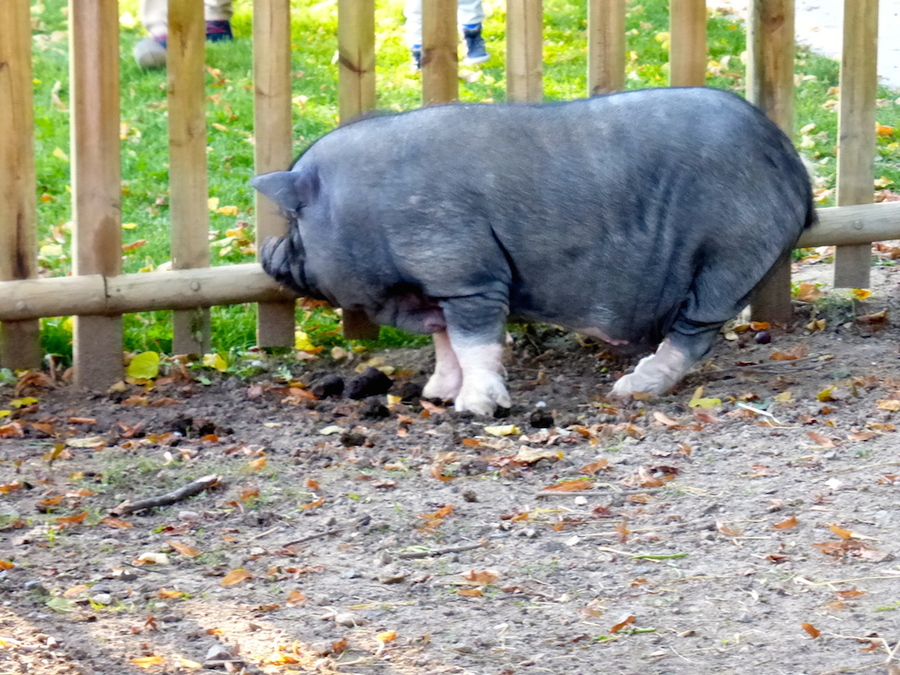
[[189, 490]]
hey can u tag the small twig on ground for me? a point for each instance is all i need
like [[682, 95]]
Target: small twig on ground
[[766, 367], [879, 640], [182, 493], [596, 493], [356, 522], [801, 580], [313, 537], [263, 534], [415, 555], [864, 466]]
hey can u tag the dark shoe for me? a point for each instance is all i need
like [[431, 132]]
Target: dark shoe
[[475, 49], [216, 31], [150, 53]]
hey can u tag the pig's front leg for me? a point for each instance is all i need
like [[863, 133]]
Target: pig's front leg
[[657, 373], [447, 379], [482, 377], [475, 325]]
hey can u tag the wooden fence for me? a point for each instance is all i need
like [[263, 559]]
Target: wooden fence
[[97, 293]]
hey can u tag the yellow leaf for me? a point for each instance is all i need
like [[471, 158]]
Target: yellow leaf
[[6, 565], [784, 397], [841, 532], [5, 413], [215, 361], [129, 226], [883, 182], [861, 293], [503, 430], [236, 577], [144, 366], [23, 402], [59, 154], [697, 400], [220, 127], [302, 342], [891, 405], [167, 594], [257, 464], [147, 661], [212, 203], [227, 210], [387, 636]]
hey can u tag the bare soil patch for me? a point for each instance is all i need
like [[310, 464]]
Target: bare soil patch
[[371, 536]]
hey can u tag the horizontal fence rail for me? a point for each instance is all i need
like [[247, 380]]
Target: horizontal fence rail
[[98, 294], [235, 284]]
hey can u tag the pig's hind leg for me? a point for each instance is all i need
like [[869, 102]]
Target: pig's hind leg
[[689, 339], [447, 379]]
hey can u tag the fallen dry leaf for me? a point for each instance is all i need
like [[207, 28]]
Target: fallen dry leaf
[[236, 577], [295, 597], [183, 549], [480, 578], [786, 524], [594, 467], [812, 630], [624, 622], [570, 486]]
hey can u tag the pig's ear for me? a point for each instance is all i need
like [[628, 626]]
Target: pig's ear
[[285, 188]]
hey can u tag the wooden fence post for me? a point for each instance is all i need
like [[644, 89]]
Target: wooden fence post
[[188, 187], [273, 150], [606, 46], [524, 50], [96, 179], [440, 59], [856, 121], [19, 341], [770, 85], [356, 95], [687, 36]]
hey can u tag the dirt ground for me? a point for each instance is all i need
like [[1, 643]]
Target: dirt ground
[[377, 536]]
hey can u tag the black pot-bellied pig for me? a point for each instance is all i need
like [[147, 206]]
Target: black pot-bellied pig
[[641, 218]]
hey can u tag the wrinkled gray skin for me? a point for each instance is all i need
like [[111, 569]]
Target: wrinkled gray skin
[[642, 218]]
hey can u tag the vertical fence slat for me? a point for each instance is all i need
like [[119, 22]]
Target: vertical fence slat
[[770, 85], [440, 60], [19, 340], [356, 57], [687, 35], [356, 95], [524, 51], [273, 132], [606, 46], [188, 187], [96, 179], [856, 147]]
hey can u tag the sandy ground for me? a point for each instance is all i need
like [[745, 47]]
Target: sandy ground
[[819, 25]]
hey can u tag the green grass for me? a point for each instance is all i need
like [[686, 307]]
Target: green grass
[[145, 198]]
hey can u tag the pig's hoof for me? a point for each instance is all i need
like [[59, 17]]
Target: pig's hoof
[[443, 387], [633, 383], [483, 397]]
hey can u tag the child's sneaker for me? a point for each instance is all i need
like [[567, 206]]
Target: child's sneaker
[[216, 31], [150, 53], [416, 58], [475, 49]]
